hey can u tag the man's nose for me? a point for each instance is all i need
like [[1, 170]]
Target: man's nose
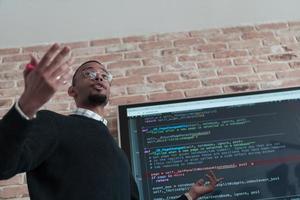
[[98, 78]]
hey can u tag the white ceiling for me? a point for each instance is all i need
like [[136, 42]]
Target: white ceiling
[[31, 22]]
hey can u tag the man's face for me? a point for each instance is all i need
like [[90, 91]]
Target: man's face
[[91, 85]]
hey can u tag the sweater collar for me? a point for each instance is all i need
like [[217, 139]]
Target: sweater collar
[[90, 114]]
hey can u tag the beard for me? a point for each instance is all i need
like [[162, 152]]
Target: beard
[[97, 99]]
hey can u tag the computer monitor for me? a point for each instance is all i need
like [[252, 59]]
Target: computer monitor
[[251, 139]]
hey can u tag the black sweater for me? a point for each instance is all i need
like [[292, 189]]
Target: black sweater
[[65, 157]]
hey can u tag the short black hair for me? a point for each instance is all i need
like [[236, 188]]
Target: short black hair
[[89, 61]]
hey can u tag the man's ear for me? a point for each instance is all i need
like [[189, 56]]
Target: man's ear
[[71, 91]]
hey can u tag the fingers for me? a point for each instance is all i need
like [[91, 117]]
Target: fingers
[[212, 178], [63, 73], [48, 56], [58, 60], [55, 64], [200, 182]]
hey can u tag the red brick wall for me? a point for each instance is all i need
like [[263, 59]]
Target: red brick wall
[[169, 66]]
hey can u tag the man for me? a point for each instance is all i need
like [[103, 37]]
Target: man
[[68, 157]]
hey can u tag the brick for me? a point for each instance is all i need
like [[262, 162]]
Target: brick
[[129, 99], [7, 84], [272, 67], [111, 111], [11, 92], [155, 45], [173, 36], [145, 88], [294, 24], [141, 54], [272, 26], [219, 81], [16, 75], [238, 29], [256, 35], [88, 51], [260, 51], [14, 191], [117, 91], [246, 44], [241, 88], [100, 58], [201, 92], [113, 123], [128, 80], [182, 85], [249, 78], [204, 74], [64, 88], [16, 58], [188, 42], [118, 72], [6, 103], [295, 64], [143, 71], [159, 60], [211, 47], [251, 60], [215, 63], [237, 70], [279, 40], [105, 42], [16, 180], [162, 78], [224, 38], [61, 97], [280, 84], [230, 54], [9, 51], [77, 45], [8, 67], [175, 51], [136, 39], [288, 74], [291, 47], [166, 96], [283, 57], [124, 64], [179, 67], [2, 113], [195, 58], [205, 33], [121, 48], [268, 77], [36, 48]]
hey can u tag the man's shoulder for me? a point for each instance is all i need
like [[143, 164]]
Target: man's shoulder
[[49, 113]]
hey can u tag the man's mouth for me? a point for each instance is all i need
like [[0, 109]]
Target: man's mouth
[[99, 87]]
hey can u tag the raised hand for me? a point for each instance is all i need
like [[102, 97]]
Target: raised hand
[[45, 78], [200, 188]]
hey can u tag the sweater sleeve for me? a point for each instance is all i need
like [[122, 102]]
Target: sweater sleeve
[[23, 144]]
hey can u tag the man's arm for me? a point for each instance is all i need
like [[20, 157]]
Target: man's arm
[[19, 147]]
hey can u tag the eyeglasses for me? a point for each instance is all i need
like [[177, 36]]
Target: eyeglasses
[[92, 75]]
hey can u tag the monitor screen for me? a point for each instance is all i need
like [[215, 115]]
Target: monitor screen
[[250, 139]]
